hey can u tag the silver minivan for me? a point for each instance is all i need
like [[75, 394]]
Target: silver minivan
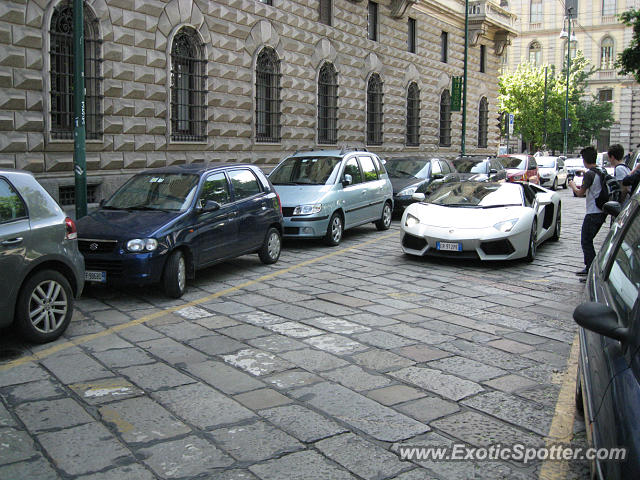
[[325, 192], [41, 268]]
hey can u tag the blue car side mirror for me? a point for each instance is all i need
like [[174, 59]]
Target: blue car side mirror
[[601, 319]]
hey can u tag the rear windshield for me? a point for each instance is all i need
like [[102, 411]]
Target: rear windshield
[[407, 167], [514, 162], [471, 166], [304, 170]]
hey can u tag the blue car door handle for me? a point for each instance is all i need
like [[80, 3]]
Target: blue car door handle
[[12, 241]]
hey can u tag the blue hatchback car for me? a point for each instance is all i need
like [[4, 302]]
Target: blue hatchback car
[[164, 224]]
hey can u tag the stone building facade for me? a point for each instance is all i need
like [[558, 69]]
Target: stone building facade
[[142, 109], [601, 37]]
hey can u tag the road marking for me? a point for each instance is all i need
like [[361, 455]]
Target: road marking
[[561, 430], [116, 328]]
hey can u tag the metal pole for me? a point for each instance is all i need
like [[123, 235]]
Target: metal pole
[[464, 81], [544, 138], [566, 99], [79, 132]]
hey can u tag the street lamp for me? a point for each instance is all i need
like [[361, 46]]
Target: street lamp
[[570, 38]]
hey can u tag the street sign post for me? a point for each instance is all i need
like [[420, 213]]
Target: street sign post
[[456, 93], [511, 124]]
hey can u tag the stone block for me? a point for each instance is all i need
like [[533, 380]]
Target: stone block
[[122, 71], [156, 59], [13, 142], [144, 108], [93, 161], [113, 88], [144, 74], [112, 51], [27, 79], [176, 158], [12, 56], [35, 141], [34, 59], [58, 161], [144, 39], [161, 41], [26, 36], [135, 160], [134, 125], [144, 143], [123, 143], [123, 36], [112, 124], [133, 20], [34, 15], [8, 161], [164, 25], [6, 77], [134, 55], [156, 126], [6, 120], [160, 77], [11, 13], [154, 92], [111, 160], [32, 162], [5, 34], [29, 121], [126, 108], [133, 90], [156, 159]]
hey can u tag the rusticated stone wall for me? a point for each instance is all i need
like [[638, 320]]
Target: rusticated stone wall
[[136, 37]]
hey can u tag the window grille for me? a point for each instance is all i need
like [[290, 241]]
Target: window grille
[[413, 115], [328, 105], [374, 110], [268, 96], [445, 119], [325, 11], [67, 194], [373, 21], [483, 122], [411, 35], [188, 87], [61, 73]]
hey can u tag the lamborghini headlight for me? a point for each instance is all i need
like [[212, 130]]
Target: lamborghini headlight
[[506, 226], [410, 221]]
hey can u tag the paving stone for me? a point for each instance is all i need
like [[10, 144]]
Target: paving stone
[[292, 312], [107, 342], [422, 353], [384, 340], [52, 414], [347, 300], [185, 330], [75, 368], [228, 308], [244, 332], [260, 318], [255, 442], [263, 398], [548, 358], [510, 383], [15, 446], [124, 357], [129, 472], [304, 424], [467, 368], [356, 378], [173, 352], [217, 321], [526, 338], [327, 308], [202, 406], [417, 474], [428, 409], [83, 449], [337, 325], [193, 313], [363, 458], [482, 431], [337, 344], [292, 379], [103, 391], [188, 457], [546, 395], [257, 362], [435, 381], [490, 356], [381, 360], [25, 373], [155, 376], [216, 345], [276, 343], [5, 418], [141, 420], [510, 346], [235, 475], [444, 327], [294, 329], [370, 320], [286, 295], [517, 411], [360, 412], [394, 394], [139, 333], [224, 377], [300, 466], [38, 469], [313, 360]]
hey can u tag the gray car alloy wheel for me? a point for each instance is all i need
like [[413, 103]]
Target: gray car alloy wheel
[[274, 245], [386, 215], [336, 229], [48, 306]]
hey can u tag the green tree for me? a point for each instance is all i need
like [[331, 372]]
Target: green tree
[[629, 59]]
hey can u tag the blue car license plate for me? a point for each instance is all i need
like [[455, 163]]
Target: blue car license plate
[[95, 276], [449, 246]]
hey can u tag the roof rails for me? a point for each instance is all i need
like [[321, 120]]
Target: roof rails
[[346, 149], [306, 149]]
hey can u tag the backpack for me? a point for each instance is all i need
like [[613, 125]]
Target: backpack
[[610, 188]]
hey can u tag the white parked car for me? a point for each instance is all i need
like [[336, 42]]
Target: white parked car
[[552, 172], [485, 220], [575, 170]]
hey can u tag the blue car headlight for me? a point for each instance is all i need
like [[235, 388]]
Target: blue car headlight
[[138, 245]]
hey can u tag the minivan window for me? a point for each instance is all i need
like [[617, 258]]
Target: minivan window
[[216, 188], [304, 170], [155, 191], [369, 169], [11, 205], [351, 168], [244, 183]]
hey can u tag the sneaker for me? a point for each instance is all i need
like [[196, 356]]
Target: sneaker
[[582, 273]]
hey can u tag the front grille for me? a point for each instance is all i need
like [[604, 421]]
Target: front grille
[[287, 211], [113, 268], [497, 247], [291, 230], [414, 243], [88, 246]]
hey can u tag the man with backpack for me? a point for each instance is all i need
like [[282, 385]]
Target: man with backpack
[[592, 185], [620, 170]]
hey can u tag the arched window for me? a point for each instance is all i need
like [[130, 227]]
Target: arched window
[[328, 104], [445, 119], [188, 87], [483, 122], [374, 110], [61, 73], [268, 96], [606, 54], [413, 115], [535, 53]]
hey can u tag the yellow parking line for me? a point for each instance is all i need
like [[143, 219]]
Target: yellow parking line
[[561, 430], [87, 338]]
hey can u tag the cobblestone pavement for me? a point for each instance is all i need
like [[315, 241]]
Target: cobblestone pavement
[[317, 367]]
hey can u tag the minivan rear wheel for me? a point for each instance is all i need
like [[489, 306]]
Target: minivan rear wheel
[[385, 220], [335, 230], [174, 278], [270, 251], [45, 306]]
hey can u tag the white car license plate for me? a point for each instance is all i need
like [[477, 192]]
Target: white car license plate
[[94, 276], [449, 246]]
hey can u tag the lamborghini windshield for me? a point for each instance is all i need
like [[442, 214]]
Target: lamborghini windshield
[[477, 195]]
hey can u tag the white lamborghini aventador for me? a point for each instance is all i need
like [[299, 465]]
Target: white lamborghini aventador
[[489, 221]]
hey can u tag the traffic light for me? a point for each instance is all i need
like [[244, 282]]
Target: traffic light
[[501, 117]]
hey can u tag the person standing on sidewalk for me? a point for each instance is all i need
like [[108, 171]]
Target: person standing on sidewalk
[[594, 218], [620, 170]]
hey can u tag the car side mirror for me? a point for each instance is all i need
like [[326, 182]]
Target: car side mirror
[[418, 197], [347, 180], [612, 208], [600, 318], [209, 206], [493, 171], [437, 176]]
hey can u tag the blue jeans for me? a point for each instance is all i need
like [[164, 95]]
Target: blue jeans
[[590, 228]]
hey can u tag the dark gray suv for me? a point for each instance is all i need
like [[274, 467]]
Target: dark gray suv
[[41, 267]]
